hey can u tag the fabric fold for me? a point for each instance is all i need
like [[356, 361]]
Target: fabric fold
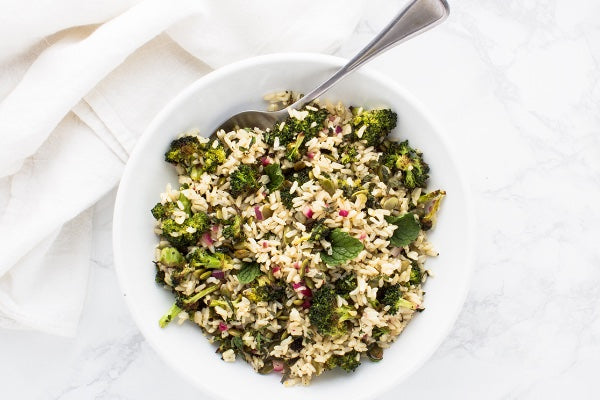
[[76, 102]]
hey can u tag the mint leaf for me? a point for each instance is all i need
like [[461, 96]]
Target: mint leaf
[[343, 248], [275, 175], [248, 273], [407, 229]]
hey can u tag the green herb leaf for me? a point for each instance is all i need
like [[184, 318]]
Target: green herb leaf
[[237, 344], [275, 175], [343, 248], [248, 273], [407, 229]]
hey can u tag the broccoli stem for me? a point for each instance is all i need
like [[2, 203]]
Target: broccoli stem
[[175, 309], [168, 317]]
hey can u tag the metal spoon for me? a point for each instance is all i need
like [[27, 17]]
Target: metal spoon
[[415, 18]]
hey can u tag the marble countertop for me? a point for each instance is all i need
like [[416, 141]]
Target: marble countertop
[[517, 85]]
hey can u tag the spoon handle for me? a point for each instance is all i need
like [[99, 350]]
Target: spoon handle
[[415, 18]]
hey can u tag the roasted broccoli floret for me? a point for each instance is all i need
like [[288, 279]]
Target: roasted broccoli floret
[[302, 176], [379, 331], [391, 295], [214, 156], [184, 151], [159, 277], [294, 149], [171, 257], [415, 274], [287, 197], [348, 362], [349, 154], [373, 126], [319, 231], [325, 316], [233, 228], [162, 211], [200, 258], [179, 235], [268, 292], [244, 179], [310, 126], [402, 157], [345, 285]]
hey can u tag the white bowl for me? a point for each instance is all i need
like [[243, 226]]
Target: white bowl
[[208, 102]]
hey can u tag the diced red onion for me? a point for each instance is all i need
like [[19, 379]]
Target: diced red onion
[[259, 215], [217, 273], [276, 269], [223, 326], [338, 129], [296, 265], [310, 155], [265, 245], [265, 161], [277, 365], [308, 213], [207, 239], [306, 303], [215, 228], [363, 236], [343, 213], [306, 292], [297, 285]]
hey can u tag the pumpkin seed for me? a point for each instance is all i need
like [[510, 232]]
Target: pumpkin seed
[[242, 253], [267, 212], [300, 165], [375, 353], [327, 185], [267, 368], [390, 203]]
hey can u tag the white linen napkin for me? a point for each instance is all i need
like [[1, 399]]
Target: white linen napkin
[[80, 82]]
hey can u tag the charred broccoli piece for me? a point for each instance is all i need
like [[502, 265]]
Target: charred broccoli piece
[[233, 228], [178, 234], [416, 276], [349, 154], [402, 157], [294, 149], [184, 150], [214, 156], [348, 361], [391, 295], [159, 277], [345, 285], [287, 197], [200, 258], [310, 126], [325, 316], [319, 231], [302, 176], [244, 179], [162, 211], [375, 125], [268, 292]]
